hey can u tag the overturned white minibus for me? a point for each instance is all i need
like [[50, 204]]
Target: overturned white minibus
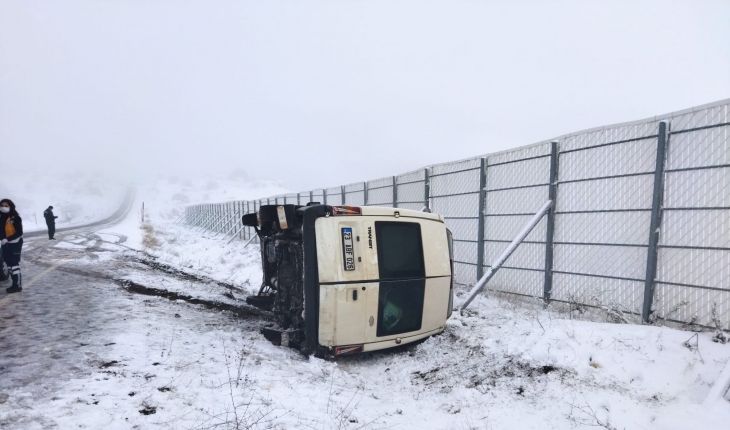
[[348, 279]]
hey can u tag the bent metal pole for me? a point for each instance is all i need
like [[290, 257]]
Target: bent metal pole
[[507, 252]]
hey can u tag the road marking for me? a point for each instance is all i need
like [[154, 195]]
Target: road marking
[[37, 277], [9, 297]]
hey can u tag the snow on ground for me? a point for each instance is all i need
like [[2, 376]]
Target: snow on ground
[[505, 364], [165, 198], [77, 197]]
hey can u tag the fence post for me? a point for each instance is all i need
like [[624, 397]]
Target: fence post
[[246, 231], [342, 187], [243, 211], [480, 222], [364, 193], [427, 187], [324, 196], [311, 196], [229, 214], [224, 216], [550, 231], [239, 205], [656, 219], [395, 191]]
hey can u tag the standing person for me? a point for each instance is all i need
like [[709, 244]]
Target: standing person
[[11, 239], [50, 222]]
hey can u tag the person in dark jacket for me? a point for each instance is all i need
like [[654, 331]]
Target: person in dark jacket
[[50, 222], [11, 240]]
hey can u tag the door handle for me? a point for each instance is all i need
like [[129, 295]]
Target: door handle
[[354, 295]]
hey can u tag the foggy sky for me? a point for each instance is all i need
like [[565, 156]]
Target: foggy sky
[[318, 94]]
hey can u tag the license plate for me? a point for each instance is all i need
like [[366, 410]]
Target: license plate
[[348, 250]]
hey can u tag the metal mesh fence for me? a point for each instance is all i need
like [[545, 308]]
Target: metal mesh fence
[[380, 192], [455, 194], [355, 194], [411, 190], [602, 217], [516, 186], [318, 196], [640, 221], [291, 199], [693, 269], [333, 196]]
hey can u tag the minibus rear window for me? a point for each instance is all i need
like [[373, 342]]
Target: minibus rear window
[[400, 250], [400, 306]]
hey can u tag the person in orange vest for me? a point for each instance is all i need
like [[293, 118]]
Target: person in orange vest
[[11, 239]]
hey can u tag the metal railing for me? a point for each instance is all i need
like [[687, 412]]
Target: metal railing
[[640, 220]]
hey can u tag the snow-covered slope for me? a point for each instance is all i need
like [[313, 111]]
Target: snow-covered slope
[[505, 364], [165, 198]]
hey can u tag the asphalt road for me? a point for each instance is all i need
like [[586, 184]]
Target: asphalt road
[[57, 322]]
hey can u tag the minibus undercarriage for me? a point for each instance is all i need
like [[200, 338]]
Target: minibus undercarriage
[[282, 256]]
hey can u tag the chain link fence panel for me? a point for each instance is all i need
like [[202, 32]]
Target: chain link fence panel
[[318, 195], [333, 196], [380, 192], [411, 190], [693, 268], [516, 187], [455, 194], [355, 194], [602, 217]]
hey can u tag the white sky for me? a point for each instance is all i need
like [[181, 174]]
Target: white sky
[[322, 93]]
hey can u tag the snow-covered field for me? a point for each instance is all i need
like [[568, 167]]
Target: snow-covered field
[[505, 364]]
